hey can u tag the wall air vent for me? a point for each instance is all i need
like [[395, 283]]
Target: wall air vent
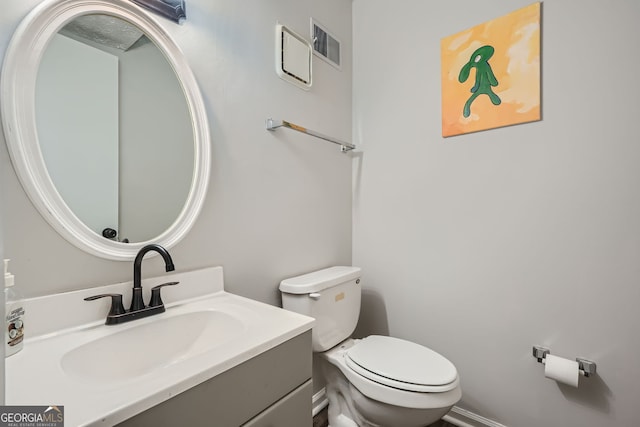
[[325, 44], [293, 57]]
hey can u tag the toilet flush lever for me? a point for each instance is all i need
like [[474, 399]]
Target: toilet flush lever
[[315, 295]]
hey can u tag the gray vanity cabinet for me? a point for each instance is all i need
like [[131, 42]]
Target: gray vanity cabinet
[[292, 410], [273, 389]]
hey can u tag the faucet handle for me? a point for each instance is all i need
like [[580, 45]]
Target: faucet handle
[[116, 303], [156, 300]]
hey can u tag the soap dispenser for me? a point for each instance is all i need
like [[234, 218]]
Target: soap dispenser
[[14, 312]]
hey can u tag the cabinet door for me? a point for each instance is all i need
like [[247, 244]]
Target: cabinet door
[[292, 410]]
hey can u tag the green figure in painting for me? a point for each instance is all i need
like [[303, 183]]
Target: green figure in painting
[[485, 78]]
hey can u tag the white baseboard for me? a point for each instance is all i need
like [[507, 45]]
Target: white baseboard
[[463, 418], [319, 401], [457, 416]]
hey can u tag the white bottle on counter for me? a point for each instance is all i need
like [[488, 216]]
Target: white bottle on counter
[[14, 315]]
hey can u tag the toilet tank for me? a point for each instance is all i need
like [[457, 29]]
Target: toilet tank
[[332, 297]]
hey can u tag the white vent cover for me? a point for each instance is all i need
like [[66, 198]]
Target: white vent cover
[[293, 57], [325, 44]]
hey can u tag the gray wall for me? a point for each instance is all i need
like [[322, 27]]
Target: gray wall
[[483, 245], [278, 205], [156, 143]]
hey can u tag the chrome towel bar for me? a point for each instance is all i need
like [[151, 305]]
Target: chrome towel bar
[[275, 124]]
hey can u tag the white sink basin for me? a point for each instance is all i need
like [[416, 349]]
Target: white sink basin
[[117, 357]]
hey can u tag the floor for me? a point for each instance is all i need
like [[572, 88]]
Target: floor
[[320, 420]]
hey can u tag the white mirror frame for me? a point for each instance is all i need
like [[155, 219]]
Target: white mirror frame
[[17, 103]]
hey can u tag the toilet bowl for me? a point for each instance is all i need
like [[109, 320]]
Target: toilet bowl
[[377, 381], [375, 389]]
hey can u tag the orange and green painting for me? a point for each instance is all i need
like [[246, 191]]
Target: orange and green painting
[[491, 74]]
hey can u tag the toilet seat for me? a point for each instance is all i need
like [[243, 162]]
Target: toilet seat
[[401, 364], [376, 390]]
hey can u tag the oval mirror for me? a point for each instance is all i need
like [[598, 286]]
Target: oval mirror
[[105, 126]]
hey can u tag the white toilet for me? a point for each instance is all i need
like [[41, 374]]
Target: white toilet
[[375, 381]]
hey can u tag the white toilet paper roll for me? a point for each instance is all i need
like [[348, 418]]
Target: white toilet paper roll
[[562, 370]]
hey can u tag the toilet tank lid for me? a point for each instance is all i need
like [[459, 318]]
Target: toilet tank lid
[[319, 280]]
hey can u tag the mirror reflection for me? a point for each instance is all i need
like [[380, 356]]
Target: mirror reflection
[[114, 128]]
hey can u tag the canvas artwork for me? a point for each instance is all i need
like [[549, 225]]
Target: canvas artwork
[[491, 74]]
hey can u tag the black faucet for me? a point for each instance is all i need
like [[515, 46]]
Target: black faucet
[[136, 301], [138, 310]]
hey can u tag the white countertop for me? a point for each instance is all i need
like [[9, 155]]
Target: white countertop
[[35, 375]]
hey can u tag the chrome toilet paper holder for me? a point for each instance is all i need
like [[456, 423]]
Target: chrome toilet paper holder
[[586, 367]]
